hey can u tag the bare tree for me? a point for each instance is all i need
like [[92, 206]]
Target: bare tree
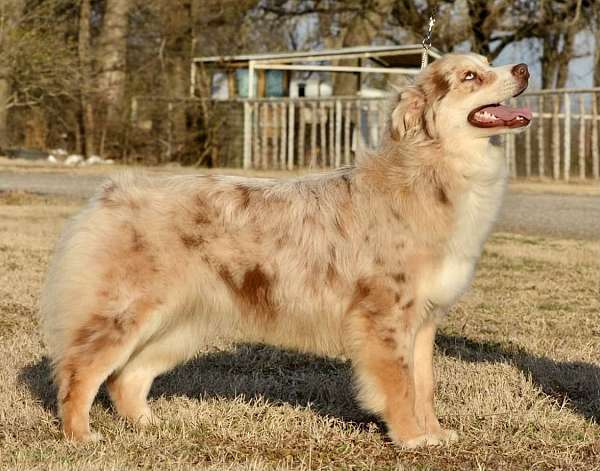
[[594, 21], [87, 88], [559, 22], [10, 13], [111, 59]]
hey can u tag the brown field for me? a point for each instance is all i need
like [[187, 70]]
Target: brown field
[[518, 365]]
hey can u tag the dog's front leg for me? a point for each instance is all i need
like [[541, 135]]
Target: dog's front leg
[[425, 382], [382, 329]]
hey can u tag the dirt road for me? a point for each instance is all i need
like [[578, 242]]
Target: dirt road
[[536, 213]]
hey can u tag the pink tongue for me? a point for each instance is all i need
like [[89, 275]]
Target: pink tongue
[[507, 113]]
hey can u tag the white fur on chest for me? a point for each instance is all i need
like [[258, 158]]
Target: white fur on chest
[[476, 212]]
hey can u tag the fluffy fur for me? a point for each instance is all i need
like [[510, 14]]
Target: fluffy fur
[[362, 261]]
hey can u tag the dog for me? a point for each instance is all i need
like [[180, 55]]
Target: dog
[[362, 261]]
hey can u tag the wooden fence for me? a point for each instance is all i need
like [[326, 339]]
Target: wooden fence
[[561, 143], [287, 133]]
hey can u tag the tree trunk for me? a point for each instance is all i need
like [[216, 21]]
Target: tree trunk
[[85, 68], [549, 60], [4, 102], [361, 31], [111, 56], [564, 58], [179, 51], [10, 13], [597, 46], [478, 13]]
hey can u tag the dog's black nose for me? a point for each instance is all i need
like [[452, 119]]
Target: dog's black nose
[[521, 71]]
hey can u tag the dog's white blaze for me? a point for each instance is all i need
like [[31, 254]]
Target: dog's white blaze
[[476, 212]]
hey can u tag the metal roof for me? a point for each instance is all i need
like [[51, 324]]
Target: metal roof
[[386, 56]]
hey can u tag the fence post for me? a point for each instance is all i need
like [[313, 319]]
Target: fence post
[[322, 112], [358, 128], [247, 135], [555, 138], [313, 134], [528, 145], [256, 154], [338, 133], [540, 138], [291, 126], [507, 151], [595, 157], [348, 119], [331, 122], [301, 134], [582, 126], [283, 133], [567, 144], [275, 135]]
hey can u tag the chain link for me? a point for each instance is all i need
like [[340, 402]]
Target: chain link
[[427, 39]]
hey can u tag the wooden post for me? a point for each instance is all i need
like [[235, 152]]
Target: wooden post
[[264, 143], [262, 83], [291, 125], [249, 131], [323, 144], [283, 134], [314, 120], [567, 143], [512, 150], [581, 147], [231, 85], [540, 138], [275, 136], [528, 145], [358, 127], [301, 134], [382, 107], [331, 123], [513, 155], [348, 119], [555, 138], [595, 151], [255, 137], [338, 133], [373, 124], [507, 152], [247, 135]]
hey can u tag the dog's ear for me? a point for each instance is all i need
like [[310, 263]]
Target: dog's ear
[[408, 115]]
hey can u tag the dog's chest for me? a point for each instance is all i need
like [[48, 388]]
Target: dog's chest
[[452, 274]]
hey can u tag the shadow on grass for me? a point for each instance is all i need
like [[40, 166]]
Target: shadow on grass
[[576, 382], [247, 371], [325, 385]]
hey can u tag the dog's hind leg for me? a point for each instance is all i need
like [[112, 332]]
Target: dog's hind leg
[[129, 386], [98, 347]]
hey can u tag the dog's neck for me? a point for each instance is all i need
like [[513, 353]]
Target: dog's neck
[[434, 181]]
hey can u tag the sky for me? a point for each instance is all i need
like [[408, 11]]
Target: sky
[[528, 51]]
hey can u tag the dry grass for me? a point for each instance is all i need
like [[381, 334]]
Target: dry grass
[[518, 363]]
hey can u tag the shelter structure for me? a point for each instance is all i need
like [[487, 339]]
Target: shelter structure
[[279, 106]]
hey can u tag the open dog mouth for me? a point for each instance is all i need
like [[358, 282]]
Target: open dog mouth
[[497, 115]]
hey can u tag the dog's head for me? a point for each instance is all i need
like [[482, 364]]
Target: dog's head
[[461, 95]]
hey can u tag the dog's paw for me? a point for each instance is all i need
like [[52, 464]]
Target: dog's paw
[[448, 435], [421, 441], [430, 439], [87, 437], [146, 419]]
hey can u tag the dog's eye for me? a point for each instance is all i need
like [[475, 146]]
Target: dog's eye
[[470, 76]]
